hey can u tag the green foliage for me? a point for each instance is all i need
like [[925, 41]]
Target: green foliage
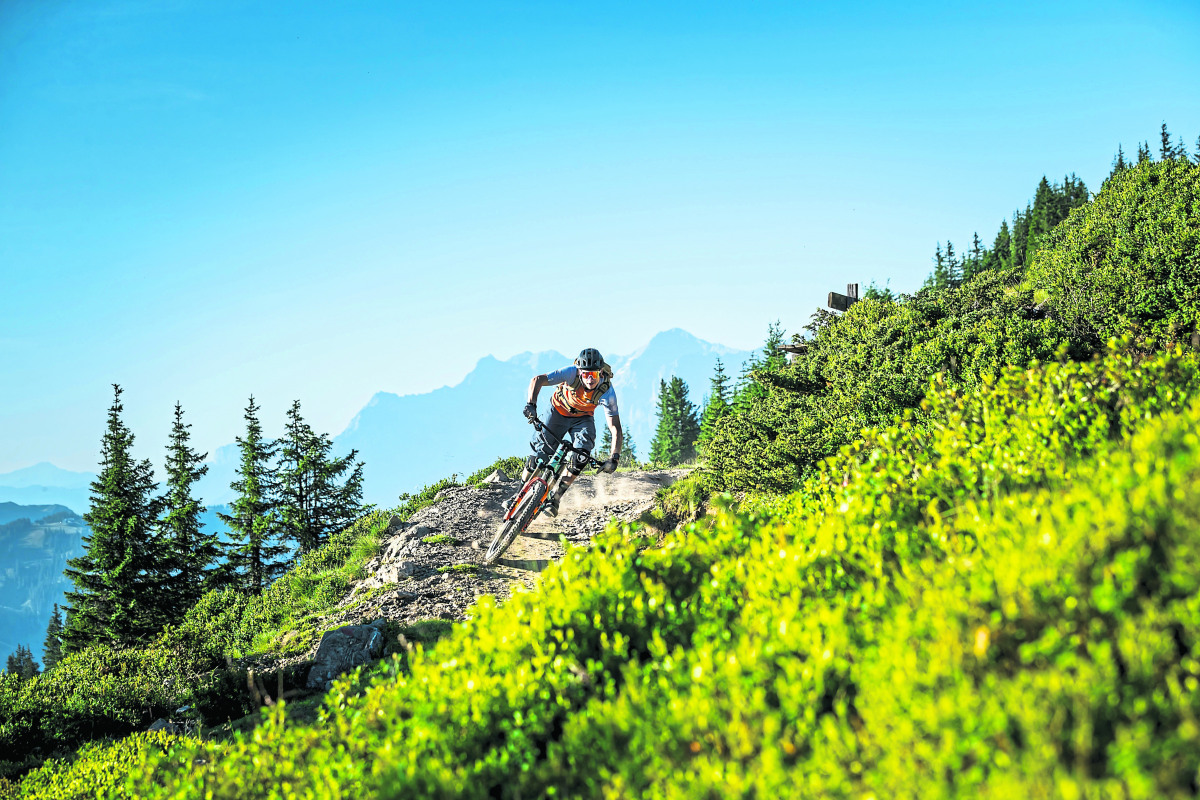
[[101, 691], [190, 565], [716, 406], [995, 598], [257, 555], [441, 538], [678, 426], [52, 644], [628, 457], [317, 493], [1129, 261], [21, 663], [117, 596], [511, 467], [469, 569]]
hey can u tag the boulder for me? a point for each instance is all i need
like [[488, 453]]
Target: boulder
[[396, 571], [342, 650], [497, 476]]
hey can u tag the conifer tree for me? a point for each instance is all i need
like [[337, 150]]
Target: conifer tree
[[52, 645], [973, 264], [256, 556], [1143, 152], [21, 663], [628, 448], [678, 425], [117, 596], [315, 500], [1000, 256], [717, 406], [193, 553], [1165, 149]]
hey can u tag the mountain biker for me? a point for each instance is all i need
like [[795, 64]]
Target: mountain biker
[[582, 387]]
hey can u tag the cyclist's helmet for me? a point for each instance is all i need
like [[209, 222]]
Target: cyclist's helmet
[[590, 359]]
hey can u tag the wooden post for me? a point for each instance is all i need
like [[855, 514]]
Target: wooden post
[[841, 302]]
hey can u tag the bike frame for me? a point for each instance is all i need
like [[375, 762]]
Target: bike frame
[[555, 465]]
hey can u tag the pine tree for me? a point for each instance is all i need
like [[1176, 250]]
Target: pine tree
[[21, 663], [52, 645], [973, 264], [117, 597], [257, 555], [678, 425], [314, 501], [1165, 148], [1143, 152], [193, 553], [628, 448], [940, 277], [1197, 156], [716, 406], [1000, 256]]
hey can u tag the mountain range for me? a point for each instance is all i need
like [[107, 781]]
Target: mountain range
[[410, 441]]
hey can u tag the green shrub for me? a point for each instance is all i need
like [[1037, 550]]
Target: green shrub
[[997, 596], [1129, 261]]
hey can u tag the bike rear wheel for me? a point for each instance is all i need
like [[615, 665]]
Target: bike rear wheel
[[518, 522]]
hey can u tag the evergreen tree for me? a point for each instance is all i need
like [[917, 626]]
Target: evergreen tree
[[257, 555], [973, 264], [678, 425], [1143, 152], [117, 596], [314, 500], [1000, 256], [193, 553], [52, 645], [940, 277], [1166, 150], [21, 663], [1197, 156], [628, 448], [877, 292], [717, 406]]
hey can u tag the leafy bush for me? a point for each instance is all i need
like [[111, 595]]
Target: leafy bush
[[997, 595], [1129, 260]]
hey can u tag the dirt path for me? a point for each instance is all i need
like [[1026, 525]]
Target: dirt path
[[431, 567]]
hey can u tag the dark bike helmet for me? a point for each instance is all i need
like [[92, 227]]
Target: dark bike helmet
[[590, 359]]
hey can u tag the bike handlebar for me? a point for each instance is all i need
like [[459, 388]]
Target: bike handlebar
[[537, 424]]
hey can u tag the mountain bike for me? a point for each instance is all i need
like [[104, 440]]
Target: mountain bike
[[529, 501]]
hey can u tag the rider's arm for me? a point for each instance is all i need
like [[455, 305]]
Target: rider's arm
[[536, 385], [618, 437]]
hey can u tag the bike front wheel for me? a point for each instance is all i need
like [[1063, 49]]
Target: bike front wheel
[[518, 522]]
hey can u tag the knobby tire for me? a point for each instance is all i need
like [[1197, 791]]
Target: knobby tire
[[509, 530]]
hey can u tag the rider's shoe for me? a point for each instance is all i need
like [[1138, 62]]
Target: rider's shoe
[[551, 507], [507, 505]]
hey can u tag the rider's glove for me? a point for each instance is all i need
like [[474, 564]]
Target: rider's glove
[[611, 464], [531, 411]]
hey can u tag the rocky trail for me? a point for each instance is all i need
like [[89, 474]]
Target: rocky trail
[[431, 566]]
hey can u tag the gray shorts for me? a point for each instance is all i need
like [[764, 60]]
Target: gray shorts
[[579, 431]]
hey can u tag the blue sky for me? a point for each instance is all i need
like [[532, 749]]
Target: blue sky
[[321, 201]]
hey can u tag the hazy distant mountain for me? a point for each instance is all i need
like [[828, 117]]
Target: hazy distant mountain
[[45, 484], [412, 440], [35, 544]]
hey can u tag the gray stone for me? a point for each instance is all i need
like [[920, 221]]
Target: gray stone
[[396, 571], [497, 476], [342, 650]]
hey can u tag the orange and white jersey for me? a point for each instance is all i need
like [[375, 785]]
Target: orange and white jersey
[[573, 399]]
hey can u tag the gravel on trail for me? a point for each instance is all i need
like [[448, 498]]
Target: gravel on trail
[[431, 566]]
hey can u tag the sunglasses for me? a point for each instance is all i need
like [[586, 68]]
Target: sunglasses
[[590, 373]]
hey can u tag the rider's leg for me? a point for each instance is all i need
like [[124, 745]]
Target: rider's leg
[[583, 436]]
